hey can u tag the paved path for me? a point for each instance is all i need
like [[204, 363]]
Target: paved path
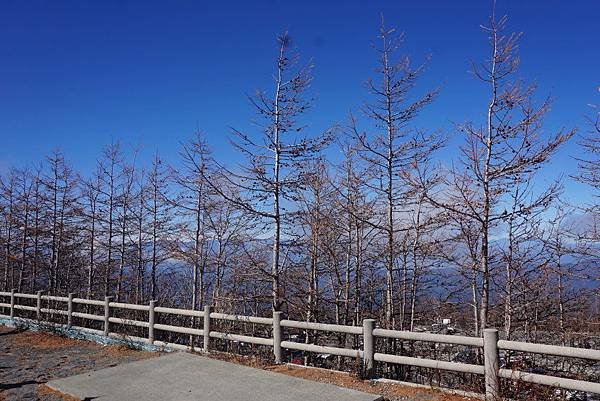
[[185, 377]]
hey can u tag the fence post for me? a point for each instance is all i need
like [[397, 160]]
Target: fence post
[[106, 315], [70, 310], [277, 336], [12, 303], [368, 347], [206, 329], [38, 308], [491, 364], [151, 322]]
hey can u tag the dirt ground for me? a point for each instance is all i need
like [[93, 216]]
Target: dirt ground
[[390, 391], [30, 359]]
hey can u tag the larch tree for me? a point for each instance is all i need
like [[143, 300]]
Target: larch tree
[[274, 167], [589, 175], [110, 178], [37, 227], [523, 252], [193, 202], [506, 149], [357, 213], [90, 202], [25, 199], [314, 220], [158, 208], [230, 227], [589, 166], [125, 202], [139, 235], [395, 146], [60, 185], [9, 189]]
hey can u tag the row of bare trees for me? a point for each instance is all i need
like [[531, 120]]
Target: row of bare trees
[[386, 231]]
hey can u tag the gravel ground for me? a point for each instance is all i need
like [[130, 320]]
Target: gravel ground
[[30, 359]]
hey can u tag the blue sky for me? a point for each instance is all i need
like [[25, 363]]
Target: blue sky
[[78, 74]]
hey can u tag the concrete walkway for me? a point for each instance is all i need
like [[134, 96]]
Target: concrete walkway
[[183, 377]]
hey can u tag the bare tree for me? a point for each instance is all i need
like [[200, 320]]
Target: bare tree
[[314, 220], [357, 213], [590, 166], [159, 210], [59, 185], [25, 182], [125, 201], [507, 149], [274, 167], [91, 198], [37, 211], [523, 253], [8, 186], [110, 182], [393, 150], [589, 174], [230, 229], [193, 203]]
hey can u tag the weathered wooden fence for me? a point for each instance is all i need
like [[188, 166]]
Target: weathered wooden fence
[[490, 343]]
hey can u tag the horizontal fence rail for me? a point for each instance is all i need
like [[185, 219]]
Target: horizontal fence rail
[[241, 318], [554, 350], [429, 337], [180, 312], [335, 328], [490, 343], [430, 363]]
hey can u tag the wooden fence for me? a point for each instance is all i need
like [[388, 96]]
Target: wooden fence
[[490, 343]]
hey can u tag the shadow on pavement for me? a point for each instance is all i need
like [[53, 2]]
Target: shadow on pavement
[[9, 386]]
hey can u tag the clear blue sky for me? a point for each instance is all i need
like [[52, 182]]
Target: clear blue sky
[[78, 74]]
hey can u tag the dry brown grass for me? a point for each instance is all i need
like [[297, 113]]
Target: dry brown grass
[[47, 341], [387, 390], [50, 341], [124, 351], [45, 391], [342, 379], [250, 361]]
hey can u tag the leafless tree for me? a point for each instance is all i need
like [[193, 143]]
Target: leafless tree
[[24, 198], [505, 150], [193, 201], [274, 167], [590, 166], [109, 188], [37, 206], [392, 150], [59, 186], [8, 187], [124, 215], [158, 207], [90, 206]]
